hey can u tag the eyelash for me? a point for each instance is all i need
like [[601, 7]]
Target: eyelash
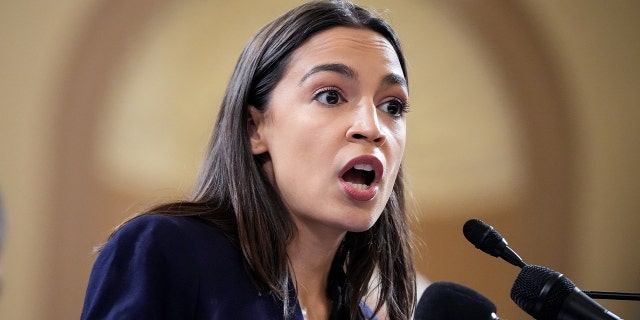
[[403, 107], [317, 93]]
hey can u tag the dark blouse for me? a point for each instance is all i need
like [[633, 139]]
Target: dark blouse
[[166, 267]]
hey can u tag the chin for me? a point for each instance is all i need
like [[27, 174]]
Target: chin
[[360, 225], [358, 230]]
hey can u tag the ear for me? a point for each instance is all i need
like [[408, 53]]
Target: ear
[[256, 131]]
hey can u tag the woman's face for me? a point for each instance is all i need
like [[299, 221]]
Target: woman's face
[[334, 129]]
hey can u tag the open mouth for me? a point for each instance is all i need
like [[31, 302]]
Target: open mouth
[[360, 176]]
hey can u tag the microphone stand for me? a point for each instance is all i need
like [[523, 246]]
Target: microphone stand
[[613, 295]]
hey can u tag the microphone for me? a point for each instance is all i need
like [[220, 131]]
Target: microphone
[[547, 294], [487, 239], [451, 301]]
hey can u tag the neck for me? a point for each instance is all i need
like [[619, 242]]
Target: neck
[[311, 257]]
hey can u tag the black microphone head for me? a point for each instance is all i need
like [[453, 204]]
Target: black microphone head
[[451, 301], [541, 291], [484, 237]]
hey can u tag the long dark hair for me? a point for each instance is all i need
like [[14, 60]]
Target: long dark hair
[[233, 192]]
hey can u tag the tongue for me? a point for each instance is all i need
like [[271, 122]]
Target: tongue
[[354, 176]]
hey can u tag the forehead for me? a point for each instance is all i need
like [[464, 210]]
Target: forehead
[[348, 45]]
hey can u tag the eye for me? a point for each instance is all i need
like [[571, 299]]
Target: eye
[[329, 96], [395, 107]]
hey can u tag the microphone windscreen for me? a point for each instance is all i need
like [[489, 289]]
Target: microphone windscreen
[[451, 301], [541, 291], [482, 236]]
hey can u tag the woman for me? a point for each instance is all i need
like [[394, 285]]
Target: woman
[[300, 199]]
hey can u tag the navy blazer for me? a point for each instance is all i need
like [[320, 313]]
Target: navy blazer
[[167, 267]]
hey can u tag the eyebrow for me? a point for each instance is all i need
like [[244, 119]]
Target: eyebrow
[[394, 79], [348, 72], [333, 67]]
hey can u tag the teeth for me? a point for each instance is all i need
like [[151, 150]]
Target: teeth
[[358, 186], [365, 167]]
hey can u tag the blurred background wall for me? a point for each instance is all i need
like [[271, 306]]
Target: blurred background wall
[[524, 114]]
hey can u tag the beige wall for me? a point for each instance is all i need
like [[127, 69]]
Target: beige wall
[[599, 52], [523, 114]]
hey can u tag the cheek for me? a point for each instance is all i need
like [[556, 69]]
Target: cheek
[[396, 145], [397, 139], [302, 133], [291, 136], [293, 152]]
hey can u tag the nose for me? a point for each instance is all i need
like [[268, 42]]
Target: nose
[[366, 126]]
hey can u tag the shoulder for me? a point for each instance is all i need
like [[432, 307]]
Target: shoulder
[[166, 230], [173, 240], [159, 264], [167, 225]]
